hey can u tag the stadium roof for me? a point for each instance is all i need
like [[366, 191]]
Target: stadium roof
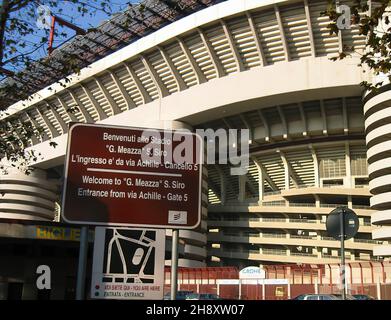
[[113, 34]]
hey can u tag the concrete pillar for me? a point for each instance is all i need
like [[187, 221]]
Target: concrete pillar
[[317, 201], [348, 178], [261, 186], [378, 289], [242, 188], [350, 202], [316, 167], [286, 170]]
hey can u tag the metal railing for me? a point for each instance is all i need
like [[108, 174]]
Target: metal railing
[[327, 185], [274, 203], [303, 254], [327, 238], [303, 186], [361, 186], [367, 241], [295, 204], [251, 234], [273, 235], [274, 220], [332, 205], [361, 207], [324, 255], [303, 221], [295, 236], [274, 252], [229, 234], [270, 193]]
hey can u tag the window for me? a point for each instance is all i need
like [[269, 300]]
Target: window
[[330, 168]]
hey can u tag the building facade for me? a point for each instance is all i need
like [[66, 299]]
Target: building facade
[[239, 64]]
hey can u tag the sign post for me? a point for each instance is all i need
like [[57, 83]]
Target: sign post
[[82, 266], [128, 264], [342, 224], [156, 173], [174, 264]]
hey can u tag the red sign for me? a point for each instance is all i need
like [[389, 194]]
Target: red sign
[[132, 177]]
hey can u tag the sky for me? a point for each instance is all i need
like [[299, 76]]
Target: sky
[[66, 10]]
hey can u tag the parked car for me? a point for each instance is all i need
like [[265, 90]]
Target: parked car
[[203, 296], [363, 297], [316, 297], [347, 297], [180, 295]]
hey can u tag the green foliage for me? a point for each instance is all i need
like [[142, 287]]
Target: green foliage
[[20, 40], [375, 25]]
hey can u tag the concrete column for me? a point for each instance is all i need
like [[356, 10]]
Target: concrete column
[[350, 203], [286, 170], [317, 201], [348, 178], [378, 289], [223, 185], [316, 167], [261, 186], [261, 178], [242, 188]]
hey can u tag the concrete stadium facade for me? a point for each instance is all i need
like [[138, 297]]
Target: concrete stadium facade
[[239, 64]]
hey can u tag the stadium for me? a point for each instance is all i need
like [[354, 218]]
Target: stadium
[[316, 141]]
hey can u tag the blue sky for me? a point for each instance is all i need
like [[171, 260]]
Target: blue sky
[[68, 11]]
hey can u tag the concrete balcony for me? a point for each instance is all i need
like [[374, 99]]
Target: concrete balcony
[[324, 209], [383, 233], [191, 237], [187, 263], [293, 240], [384, 250], [277, 257], [195, 252], [329, 190], [278, 224]]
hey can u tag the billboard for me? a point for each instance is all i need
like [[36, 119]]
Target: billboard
[[132, 177], [128, 264]]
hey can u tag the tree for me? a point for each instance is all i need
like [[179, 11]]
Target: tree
[[373, 21], [21, 45]]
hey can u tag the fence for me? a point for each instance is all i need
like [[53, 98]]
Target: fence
[[287, 281]]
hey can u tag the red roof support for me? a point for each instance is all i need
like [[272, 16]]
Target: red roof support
[[372, 272], [361, 278], [383, 272]]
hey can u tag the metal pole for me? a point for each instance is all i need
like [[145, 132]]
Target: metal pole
[[174, 264], [343, 282], [81, 269]]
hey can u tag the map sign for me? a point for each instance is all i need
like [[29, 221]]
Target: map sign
[[132, 177], [128, 264]]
